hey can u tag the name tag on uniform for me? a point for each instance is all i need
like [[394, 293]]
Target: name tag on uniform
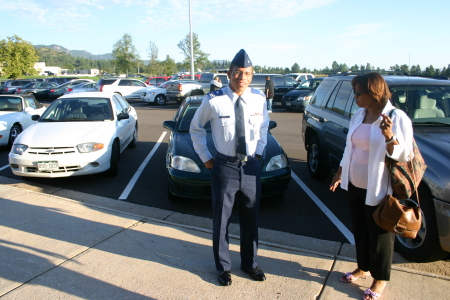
[[224, 117]]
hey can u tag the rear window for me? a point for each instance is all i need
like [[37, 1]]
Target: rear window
[[106, 81]]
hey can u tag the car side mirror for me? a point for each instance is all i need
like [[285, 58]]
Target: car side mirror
[[272, 124], [35, 117], [123, 116], [169, 125]]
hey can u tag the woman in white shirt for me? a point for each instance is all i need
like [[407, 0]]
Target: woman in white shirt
[[363, 173]]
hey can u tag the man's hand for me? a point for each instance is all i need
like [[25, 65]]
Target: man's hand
[[209, 164]]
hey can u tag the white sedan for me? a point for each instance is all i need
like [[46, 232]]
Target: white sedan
[[15, 115], [155, 94], [79, 134]]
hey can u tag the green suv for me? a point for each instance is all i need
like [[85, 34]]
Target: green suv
[[427, 102]]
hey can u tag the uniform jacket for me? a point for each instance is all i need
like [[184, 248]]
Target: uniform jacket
[[218, 107]]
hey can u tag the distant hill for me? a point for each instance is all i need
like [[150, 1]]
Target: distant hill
[[76, 53]]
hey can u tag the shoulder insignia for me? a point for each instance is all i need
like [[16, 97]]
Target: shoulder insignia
[[215, 93], [257, 91]]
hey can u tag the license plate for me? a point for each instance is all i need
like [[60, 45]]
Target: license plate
[[288, 103], [47, 165]]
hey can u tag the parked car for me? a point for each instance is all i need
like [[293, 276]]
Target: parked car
[[11, 86], [186, 76], [60, 90], [15, 116], [187, 175], [156, 95], [282, 84], [61, 80], [79, 134], [157, 80], [82, 87], [122, 86], [427, 102], [38, 89], [301, 77], [299, 97]]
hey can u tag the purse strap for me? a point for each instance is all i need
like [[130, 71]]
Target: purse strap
[[413, 177]]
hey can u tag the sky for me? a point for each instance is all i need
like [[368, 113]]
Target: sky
[[275, 33]]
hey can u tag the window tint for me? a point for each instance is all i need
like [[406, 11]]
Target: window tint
[[29, 102], [107, 81], [321, 92], [289, 81], [223, 78], [278, 80], [339, 98], [259, 79]]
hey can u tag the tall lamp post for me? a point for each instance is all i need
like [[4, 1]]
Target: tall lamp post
[[192, 42]]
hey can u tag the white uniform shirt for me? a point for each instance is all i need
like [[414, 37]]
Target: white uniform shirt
[[218, 107], [377, 179]]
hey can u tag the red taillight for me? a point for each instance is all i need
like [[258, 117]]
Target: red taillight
[[6, 89], [18, 91], [52, 90], [69, 90], [180, 87], [101, 88]]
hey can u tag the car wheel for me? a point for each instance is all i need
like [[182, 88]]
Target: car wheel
[[316, 166], [160, 100], [134, 141], [114, 161], [425, 247], [13, 134]]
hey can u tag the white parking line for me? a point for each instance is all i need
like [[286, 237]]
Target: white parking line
[[138, 173], [4, 167], [347, 233]]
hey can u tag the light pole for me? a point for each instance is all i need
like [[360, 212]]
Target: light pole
[[192, 43]]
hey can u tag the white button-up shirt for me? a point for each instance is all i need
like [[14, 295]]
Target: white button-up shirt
[[218, 107], [377, 180]]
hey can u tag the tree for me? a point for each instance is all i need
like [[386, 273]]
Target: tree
[[200, 57], [169, 66], [155, 67], [125, 54], [17, 57], [295, 68]]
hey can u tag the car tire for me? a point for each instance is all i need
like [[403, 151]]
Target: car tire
[[13, 134], [114, 161], [160, 100], [425, 247], [314, 158], [134, 141]]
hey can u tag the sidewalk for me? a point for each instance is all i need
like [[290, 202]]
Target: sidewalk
[[55, 247]]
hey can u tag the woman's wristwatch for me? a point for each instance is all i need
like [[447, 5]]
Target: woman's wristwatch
[[393, 138]]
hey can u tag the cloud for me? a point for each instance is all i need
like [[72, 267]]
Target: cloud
[[360, 36]]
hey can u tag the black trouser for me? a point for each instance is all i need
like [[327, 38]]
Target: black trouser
[[374, 245], [231, 178]]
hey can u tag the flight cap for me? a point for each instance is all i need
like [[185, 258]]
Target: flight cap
[[242, 60]]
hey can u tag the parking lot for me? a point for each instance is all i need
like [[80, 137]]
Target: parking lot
[[308, 208]]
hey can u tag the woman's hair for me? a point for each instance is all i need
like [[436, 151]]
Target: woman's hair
[[374, 84], [217, 78]]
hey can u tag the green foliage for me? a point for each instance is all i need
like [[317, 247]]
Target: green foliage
[[17, 57], [295, 68], [125, 54], [200, 57]]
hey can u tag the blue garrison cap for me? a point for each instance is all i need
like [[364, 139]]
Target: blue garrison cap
[[242, 60]]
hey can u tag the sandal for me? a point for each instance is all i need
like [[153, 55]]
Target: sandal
[[349, 278], [372, 295]]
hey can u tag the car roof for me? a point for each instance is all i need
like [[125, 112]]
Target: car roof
[[398, 80], [89, 94]]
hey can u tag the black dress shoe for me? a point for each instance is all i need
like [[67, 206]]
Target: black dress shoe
[[224, 277], [256, 273]]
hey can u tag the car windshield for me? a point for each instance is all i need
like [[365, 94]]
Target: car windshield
[[308, 85], [184, 122], [10, 104], [424, 104], [78, 109]]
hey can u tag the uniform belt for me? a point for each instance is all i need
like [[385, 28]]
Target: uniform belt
[[232, 158]]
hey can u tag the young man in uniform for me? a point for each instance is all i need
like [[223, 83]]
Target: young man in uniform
[[239, 125]]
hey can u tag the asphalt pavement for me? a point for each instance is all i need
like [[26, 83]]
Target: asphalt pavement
[[61, 244]]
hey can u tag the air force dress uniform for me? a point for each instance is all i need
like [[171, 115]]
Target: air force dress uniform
[[232, 176]]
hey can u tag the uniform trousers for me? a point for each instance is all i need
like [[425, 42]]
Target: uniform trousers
[[233, 179], [374, 245]]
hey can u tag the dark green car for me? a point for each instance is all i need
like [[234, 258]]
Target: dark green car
[[187, 174]]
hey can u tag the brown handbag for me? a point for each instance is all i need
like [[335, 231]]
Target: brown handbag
[[402, 217]]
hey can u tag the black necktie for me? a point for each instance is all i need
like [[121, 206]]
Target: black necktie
[[241, 149]]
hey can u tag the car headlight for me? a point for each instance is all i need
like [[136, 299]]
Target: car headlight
[[184, 164], [304, 98], [277, 162], [19, 149], [89, 147]]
